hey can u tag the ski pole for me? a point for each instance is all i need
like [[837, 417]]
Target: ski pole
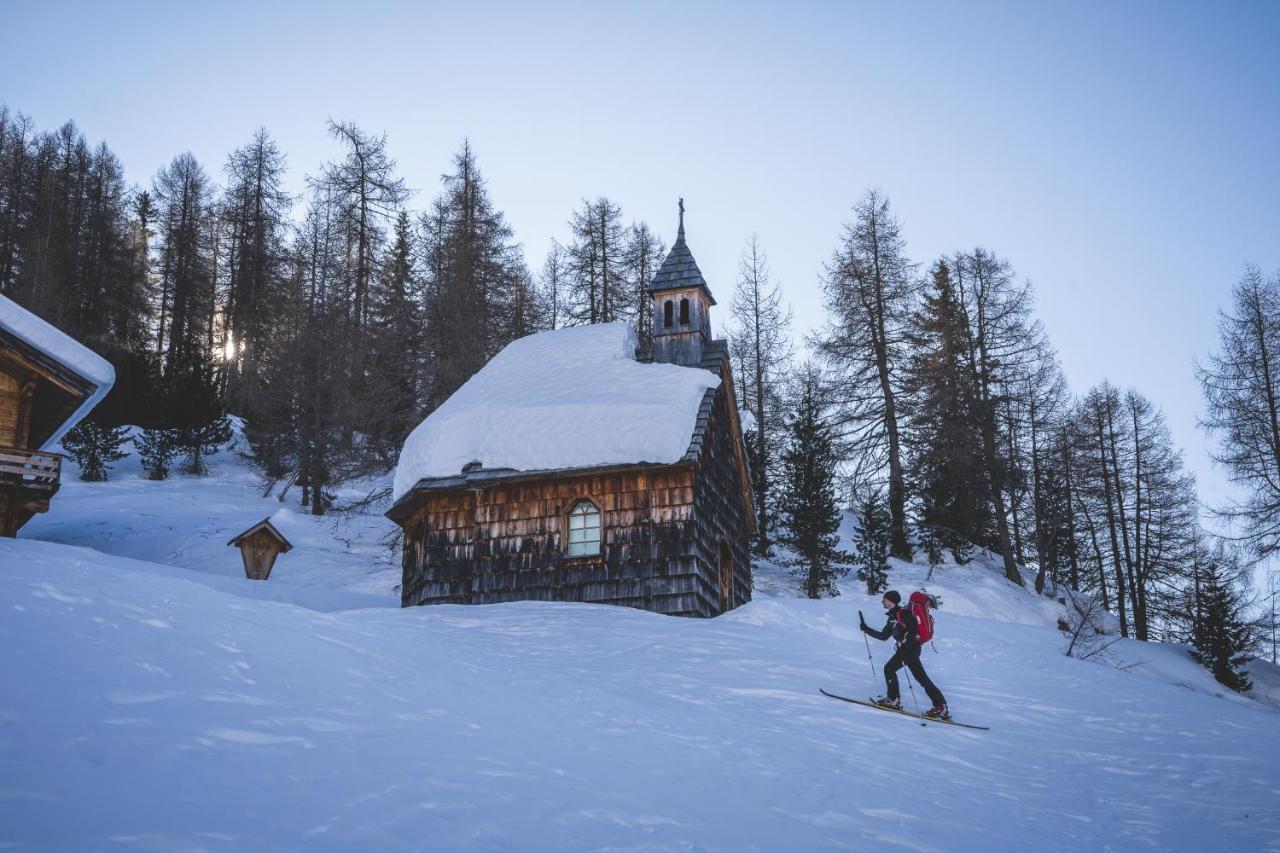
[[912, 687], [870, 662]]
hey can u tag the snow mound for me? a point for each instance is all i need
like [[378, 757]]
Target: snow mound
[[569, 398], [26, 326]]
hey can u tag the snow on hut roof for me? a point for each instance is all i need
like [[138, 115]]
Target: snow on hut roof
[[571, 398], [61, 348]]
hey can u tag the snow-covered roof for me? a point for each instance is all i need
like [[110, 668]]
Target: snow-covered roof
[[61, 348], [571, 398]]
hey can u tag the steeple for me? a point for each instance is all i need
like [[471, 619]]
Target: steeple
[[681, 305]]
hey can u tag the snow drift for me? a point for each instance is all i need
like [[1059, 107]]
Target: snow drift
[[570, 398]]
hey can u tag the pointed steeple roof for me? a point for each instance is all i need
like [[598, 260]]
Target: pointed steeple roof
[[680, 270]]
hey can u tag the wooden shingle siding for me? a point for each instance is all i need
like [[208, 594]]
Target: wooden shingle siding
[[663, 527]]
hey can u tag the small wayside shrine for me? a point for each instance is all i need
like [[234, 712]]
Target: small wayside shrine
[[574, 468], [259, 546], [48, 383]]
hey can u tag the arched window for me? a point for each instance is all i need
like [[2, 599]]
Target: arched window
[[684, 312], [584, 530], [666, 315]]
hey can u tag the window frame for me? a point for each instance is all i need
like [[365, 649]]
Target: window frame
[[567, 528], [685, 317], [668, 314]]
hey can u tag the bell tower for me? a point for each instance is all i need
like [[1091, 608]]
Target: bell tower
[[681, 304]]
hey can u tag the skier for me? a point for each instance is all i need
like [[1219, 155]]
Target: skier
[[901, 625]]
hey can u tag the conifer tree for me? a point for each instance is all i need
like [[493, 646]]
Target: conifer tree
[[809, 514], [396, 343], [255, 211], [94, 447], [156, 449], [758, 338], [1221, 638], [870, 291], [1240, 381], [597, 265], [944, 445], [643, 252], [474, 273], [872, 544]]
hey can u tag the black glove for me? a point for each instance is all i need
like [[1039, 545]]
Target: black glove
[[862, 623]]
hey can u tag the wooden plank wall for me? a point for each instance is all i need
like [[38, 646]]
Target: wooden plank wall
[[503, 543]]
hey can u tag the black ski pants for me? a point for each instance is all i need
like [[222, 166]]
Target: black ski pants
[[908, 655]]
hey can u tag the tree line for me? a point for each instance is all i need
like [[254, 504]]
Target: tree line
[[332, 322]]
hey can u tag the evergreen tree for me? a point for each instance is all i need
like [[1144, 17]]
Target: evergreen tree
[[809, 514], [474, 273], [395, 348], [944, 444], [872, 544], [929, 540], [156, 449], [255, 212], [1221, 638], [185, 311], [94, 447]]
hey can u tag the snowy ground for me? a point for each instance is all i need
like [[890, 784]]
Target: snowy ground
[[180, 707], [187, 522]]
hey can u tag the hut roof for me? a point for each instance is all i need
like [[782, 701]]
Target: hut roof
[[270, 528], [567, 399], [78, 376]]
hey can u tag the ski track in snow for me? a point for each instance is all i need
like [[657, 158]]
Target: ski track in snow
[[181, 707]]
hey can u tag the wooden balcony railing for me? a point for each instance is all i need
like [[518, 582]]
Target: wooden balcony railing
[[34, 469]]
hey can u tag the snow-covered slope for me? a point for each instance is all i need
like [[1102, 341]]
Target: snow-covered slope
[[158, 707], [187, 521]]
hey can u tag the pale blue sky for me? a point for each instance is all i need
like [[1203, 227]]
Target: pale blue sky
[[1123, 156]]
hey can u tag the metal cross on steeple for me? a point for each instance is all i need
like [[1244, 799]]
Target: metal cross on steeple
[[680, 233]]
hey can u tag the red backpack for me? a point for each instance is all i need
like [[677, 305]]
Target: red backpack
[[918, 604]]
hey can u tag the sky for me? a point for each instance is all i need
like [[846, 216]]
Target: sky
[[1124, 157]]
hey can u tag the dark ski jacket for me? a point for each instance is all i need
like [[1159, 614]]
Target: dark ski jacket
[[901, 625]]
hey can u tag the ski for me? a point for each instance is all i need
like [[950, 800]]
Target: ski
[[904, 713]]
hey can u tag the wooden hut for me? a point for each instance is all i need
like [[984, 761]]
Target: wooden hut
[[587, 475], [48, 382], [259, 546]]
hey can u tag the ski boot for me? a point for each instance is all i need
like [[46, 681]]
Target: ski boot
[[886, 702], [938, 712]]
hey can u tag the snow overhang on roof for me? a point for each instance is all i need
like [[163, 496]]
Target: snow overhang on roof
[[83, 374]]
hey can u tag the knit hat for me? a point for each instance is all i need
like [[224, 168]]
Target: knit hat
[[894, 596]]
